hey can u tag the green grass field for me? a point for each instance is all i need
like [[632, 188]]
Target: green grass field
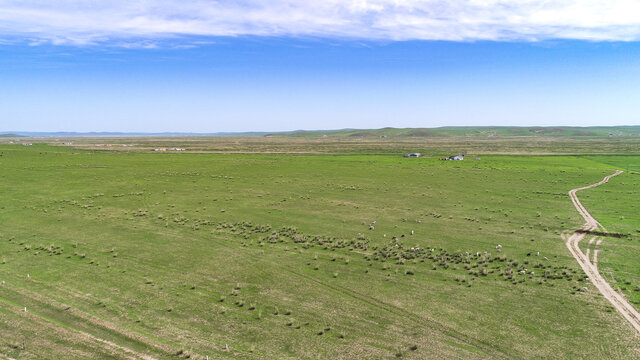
[[262, 256]]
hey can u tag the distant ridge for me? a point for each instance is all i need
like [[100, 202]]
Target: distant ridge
[[475, 131], [121, 134]]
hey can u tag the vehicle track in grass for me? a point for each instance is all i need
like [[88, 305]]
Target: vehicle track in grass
[[482, 348], [590, 268], [75, 334], [487, 349]]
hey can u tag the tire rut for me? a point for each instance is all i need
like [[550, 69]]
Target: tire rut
[[488, 349], [591, 270]]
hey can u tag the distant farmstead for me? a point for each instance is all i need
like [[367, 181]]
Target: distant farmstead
[[457, 157]]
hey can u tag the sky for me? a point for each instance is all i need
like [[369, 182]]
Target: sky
[[258, 65]]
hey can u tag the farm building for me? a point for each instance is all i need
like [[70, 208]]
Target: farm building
[[457, 157]]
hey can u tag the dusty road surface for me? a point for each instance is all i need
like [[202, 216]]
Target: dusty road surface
[[591, 268]]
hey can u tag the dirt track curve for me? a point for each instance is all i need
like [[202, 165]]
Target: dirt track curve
[[591, 268]]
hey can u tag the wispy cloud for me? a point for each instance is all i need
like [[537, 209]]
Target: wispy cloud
[[140, 23]]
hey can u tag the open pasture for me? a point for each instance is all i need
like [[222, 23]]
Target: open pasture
[[315, 144], [175, 255]]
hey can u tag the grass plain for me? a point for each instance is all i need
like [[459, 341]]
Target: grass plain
[[343, 254], [316, 144]]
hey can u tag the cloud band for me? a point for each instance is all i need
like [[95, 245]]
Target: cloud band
[[86, 22]]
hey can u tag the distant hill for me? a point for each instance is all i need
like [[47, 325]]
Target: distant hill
[[124, 134], [479, 131], [387, 132]]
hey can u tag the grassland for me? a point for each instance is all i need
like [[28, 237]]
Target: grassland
[[125, 253], [431, 146]]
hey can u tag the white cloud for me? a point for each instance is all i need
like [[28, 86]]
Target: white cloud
[[140, 23]]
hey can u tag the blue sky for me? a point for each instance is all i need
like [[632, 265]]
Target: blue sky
[[342, 65]]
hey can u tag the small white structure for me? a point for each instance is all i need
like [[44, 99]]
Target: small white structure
[[457, 157]]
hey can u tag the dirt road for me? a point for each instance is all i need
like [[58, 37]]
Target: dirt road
[[590, 268]]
